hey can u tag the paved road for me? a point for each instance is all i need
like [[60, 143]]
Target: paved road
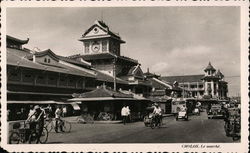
[[197, 129]]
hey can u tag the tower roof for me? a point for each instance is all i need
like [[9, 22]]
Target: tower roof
[[104, 27], [16, 40], [219, 74], [209, 67]]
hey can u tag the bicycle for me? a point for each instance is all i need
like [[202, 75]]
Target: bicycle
[[66, 126], [155, 122], [27, 135], [49, 124]]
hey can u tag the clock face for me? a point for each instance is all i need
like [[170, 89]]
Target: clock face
[[96, 30], [95, 47]]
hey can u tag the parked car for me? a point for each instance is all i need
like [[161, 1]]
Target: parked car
[[215, 111]]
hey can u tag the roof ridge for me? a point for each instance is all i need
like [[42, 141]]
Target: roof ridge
[[183, 75]]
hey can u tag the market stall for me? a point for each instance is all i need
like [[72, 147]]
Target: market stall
[[104, 103]]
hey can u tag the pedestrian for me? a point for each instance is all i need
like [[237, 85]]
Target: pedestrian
[[49, 111], [31, 112], [58, 114], [124, 114], [64, 111], [128, 114]]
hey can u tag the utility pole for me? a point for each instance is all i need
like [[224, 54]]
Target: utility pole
[[114, 71]]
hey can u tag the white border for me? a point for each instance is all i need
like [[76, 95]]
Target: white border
[[161, 147]]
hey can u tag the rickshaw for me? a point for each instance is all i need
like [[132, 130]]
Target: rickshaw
[[179, 108], [149, 118], [196, 111], [24, 134]]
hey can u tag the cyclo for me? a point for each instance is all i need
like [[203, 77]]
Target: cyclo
[[232, 123], [24, 134], [150, 118], [179, 108]]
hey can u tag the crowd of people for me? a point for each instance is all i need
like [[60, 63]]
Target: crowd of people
[[37, 116]]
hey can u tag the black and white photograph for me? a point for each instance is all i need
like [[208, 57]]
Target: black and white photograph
[[124, 75]]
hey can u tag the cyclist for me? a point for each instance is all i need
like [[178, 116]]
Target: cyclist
[[58, 115], [157, 113], [36, 120]]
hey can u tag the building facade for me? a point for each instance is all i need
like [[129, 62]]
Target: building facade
[[42, 77], [210, 85], [102, 48]]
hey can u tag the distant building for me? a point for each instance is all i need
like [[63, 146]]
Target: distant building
[[208, 85], [162, 92]]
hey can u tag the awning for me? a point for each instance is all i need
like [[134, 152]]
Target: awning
[[38, 93], [38, 102], [75, 106], [33, 102], [99, 99]]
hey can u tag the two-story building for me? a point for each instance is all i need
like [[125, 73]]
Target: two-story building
[[208, 85]]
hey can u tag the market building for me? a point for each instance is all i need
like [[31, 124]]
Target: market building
[[210, 85], [42, 77], [46, 78]]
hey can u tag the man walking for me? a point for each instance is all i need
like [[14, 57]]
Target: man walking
[[58, 114], [124, 114]]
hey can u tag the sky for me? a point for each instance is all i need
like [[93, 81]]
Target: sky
[[167, 40]]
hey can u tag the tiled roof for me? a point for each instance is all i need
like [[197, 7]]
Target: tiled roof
[[107, 78], [10, 38], [91, 57], [18, 58], [183, 78], [211, 77], [104, 27], [151, 75], [219, 74], [103, 91], [209, 67], [132, 70], [73, 61], [158, 93], [158, 84]]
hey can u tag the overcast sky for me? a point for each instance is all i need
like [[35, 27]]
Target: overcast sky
[[168, 40]]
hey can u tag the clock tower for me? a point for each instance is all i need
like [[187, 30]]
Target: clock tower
[[99, 39], [101, 48]]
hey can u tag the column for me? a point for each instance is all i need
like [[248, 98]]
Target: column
[[217, 88], [205, 88], [212, 87]]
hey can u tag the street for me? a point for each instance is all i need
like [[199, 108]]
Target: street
[[198, 129]]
